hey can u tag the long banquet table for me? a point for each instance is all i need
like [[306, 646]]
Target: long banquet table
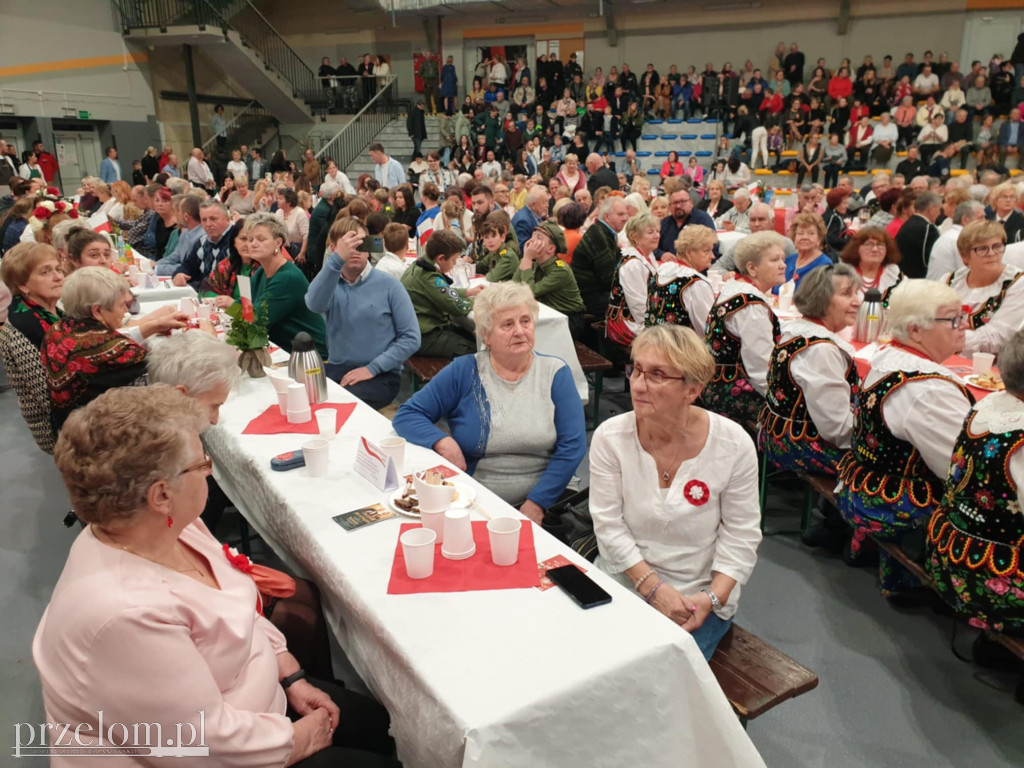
[[504, 678]]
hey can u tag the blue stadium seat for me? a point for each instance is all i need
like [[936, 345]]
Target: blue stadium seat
[[649, 137], [675, 121], [706, 136], [661, 154], [704, 153], [669, 137], [689, 137], [685, 153], [655, 122], [694, 121], [643, 154], [653, 172]]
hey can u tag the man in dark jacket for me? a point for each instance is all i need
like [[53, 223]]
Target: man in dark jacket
[[597, 254], [320, 221], [416, 126], [917, 237], [600, 174]]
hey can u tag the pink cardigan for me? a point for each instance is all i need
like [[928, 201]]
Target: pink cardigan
[[148, 645]]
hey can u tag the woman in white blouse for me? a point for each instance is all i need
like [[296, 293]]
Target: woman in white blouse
[[678, 293], [498, 72], [910, 412], [994, 291], [296, 223], [236, 167], [742, 328], [673, 490], [812, 379], [337, 176], [627, 305]]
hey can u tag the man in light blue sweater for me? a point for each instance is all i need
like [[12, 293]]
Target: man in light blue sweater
[[190, 234], [371, 325]]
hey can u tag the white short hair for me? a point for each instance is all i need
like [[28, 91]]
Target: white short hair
[[90, 287], [636, 201], [196, 361], [498, 297], [63, 231], [915, 302], [330, 189]]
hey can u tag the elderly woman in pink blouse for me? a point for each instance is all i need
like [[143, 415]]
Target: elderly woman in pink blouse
[[154, 621]]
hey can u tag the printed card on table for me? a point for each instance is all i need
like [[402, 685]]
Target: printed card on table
[[446, 473], [546, 565], [376, 466], [357, 518]]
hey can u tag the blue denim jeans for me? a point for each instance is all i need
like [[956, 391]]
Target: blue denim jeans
[[708, 634], [377, 392]]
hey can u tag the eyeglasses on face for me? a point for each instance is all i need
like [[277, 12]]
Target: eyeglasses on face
[[955, 323], [985, 250], [205, 465], [877, 245], [653, 378]]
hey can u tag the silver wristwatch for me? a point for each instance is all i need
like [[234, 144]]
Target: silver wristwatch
[[716, 604]]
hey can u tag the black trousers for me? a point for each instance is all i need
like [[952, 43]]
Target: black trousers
[[361, 740]]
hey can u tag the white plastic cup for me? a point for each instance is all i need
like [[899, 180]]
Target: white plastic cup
[[205, 311], [395, 448], [504, 535], [282, 402], [297, 398], [458, 531], [418, 551], [280, 382], [327, 422], [785, 302], [187, 306], [434, 521], [317, 453], [716, 281], [299, 417], [983, 362]]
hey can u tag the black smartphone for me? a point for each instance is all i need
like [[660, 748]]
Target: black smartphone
[[371, 244], [580, 587]]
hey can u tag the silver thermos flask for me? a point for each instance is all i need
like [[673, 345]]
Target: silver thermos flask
[[869, 318], [305, 367]]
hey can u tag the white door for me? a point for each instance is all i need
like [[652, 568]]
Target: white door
[[78, 155], [989, 33]]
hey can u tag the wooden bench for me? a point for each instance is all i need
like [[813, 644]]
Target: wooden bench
[[593, 365], [755, 676], [423, 369]]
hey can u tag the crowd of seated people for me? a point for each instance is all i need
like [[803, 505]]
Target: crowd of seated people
[[643, 258]]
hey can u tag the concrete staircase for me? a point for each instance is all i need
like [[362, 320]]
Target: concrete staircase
[[397, 144]]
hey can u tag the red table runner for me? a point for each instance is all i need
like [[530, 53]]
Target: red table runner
[[271, 422], [472, 574]]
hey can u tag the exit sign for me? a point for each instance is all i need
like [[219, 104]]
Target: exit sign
[[83, 114]]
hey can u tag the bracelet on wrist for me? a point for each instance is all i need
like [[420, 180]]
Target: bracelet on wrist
[[293, 678], [645, 577], [716, 604], [650, 595]]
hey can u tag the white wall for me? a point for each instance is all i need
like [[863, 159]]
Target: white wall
[[39, 31]]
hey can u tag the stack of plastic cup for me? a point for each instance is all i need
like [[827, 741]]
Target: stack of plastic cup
[[298, 404], [418, 551], [503, 533], [187, 306], [433, 501], [458, 541], [281, 388]]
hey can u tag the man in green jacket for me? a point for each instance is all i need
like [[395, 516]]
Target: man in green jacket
[[320, 221], [597, 254], [437, 301], [550, 278]]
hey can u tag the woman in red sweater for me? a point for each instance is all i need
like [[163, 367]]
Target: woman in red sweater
[[840, 86]]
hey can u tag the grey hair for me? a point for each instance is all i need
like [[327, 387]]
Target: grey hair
[[329, 190], [915, 302], [1011, 364], [818, 286], [751, 249], [498, 297], [63, 231], [177, 186], [196, 361], [607, 204], [640, 223], [207, 204], [978, 191], [966, 210], [926, 200], [741, 192], [90, 287]]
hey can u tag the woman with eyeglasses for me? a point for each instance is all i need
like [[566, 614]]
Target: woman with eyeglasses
[[673, 490], [993, 291], [875, 257], [812, 380], [910, 411]]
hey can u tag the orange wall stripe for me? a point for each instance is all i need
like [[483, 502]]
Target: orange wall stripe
[[58, 66], [992, 5], [543, 31]]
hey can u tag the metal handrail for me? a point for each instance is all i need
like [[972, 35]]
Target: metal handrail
[[348, 143], [250, 25], [233, 123]]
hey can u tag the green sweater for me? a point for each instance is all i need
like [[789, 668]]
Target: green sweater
[[553, 284], [435, 300], [593, 264], [500, 265], [285, 295]]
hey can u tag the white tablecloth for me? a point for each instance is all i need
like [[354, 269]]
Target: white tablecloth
[[164, 291], [498, 678]]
